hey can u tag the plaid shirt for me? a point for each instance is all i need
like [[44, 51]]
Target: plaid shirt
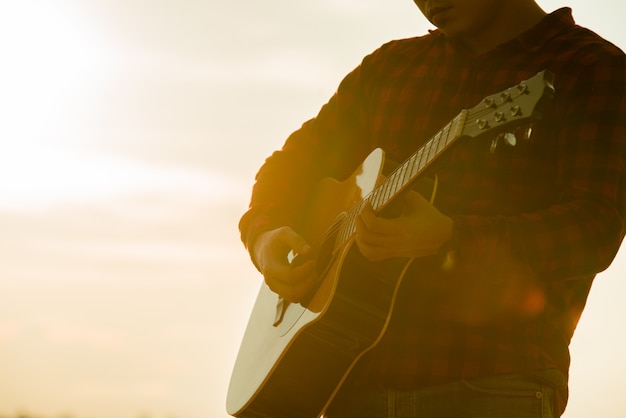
[[533, 223]]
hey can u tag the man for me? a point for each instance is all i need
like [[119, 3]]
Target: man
[[523, 229]]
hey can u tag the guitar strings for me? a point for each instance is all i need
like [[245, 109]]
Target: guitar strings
[[343, 226]]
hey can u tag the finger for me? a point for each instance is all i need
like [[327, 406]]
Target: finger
[[373, 252], [371, 222], [380, 231], [413, 198], [371, 244], [295, 285], [294, 243], [366, 230]]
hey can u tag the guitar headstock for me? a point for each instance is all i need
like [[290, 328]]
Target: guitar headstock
[[503, 112]]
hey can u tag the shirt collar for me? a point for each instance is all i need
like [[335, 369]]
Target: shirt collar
[[534, 38], [547, 28]]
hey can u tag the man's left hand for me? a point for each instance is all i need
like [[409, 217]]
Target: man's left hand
[[419, 231]]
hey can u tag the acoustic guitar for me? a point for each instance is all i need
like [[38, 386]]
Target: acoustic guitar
[[294, 357]]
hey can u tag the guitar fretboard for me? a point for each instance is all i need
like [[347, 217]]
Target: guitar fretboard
[[403, 176]]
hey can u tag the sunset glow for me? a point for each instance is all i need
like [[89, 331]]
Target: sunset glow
[[131, 132]]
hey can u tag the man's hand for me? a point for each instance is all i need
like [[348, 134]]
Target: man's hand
[[270, 251], [421, 230]]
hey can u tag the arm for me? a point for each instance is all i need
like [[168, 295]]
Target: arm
[[330, 145]]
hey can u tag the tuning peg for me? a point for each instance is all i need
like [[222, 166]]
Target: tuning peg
[[528, 132], [515, 110], [489, 102], [510, 139], [522, 88], [483, 124], [494, 144]]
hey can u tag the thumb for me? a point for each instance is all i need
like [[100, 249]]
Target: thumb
[[297, 243]]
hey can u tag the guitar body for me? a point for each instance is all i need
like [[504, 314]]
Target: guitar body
[[293, 359]]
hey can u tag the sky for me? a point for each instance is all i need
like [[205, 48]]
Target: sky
[[130, 134]]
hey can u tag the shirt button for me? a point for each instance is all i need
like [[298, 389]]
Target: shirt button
[[538, 395]]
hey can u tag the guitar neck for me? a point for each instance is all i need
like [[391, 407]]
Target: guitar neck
[[403, 176], [497, 113]]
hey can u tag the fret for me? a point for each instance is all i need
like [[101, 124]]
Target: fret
[[384, 192], [403, 177], [418, 161], [376, 197], [389, 188], [460, 123], [412, 164], [425, 156], [438, 140], [432, 150], [401, 180], [451, 131], [394, 179], [443, 143]]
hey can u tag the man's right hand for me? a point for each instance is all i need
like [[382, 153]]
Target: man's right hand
[[292, 281]]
